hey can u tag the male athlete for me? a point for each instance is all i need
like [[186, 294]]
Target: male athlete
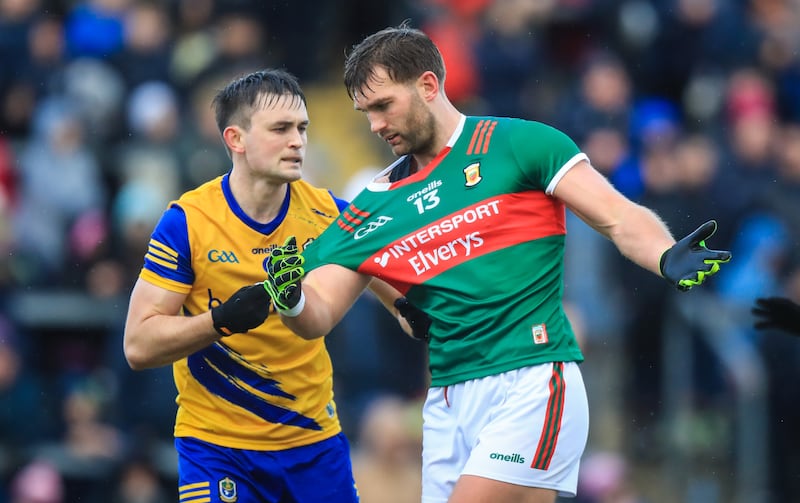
[[256, 419], [469, 224]]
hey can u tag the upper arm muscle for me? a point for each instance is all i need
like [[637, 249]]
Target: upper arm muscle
[[589, 195]]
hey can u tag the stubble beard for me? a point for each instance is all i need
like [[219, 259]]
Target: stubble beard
[[420, 133]]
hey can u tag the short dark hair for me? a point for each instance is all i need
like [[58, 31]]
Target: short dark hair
[[405, 53], [235, 103]]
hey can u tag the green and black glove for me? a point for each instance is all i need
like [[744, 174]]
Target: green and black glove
[[416, 318], [285, 268], [247, 308], [688, 263], [777, 312]]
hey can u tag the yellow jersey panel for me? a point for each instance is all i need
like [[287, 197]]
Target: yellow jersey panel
[[267, 389]]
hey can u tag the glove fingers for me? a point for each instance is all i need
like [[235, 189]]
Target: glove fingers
[[288, 277], [698, 277], [402, 305], [290, 244], [288, 273], [778, 303], [284, 265], [721, 256], [763, 325], [703, 232]]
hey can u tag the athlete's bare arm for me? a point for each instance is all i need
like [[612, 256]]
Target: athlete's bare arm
[[387, 294], [156, 333], [330, 290], [638, 232]]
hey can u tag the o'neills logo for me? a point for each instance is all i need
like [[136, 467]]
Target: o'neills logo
[[511, 458]]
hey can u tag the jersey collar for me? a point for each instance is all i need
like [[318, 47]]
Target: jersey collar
[[381, 183]]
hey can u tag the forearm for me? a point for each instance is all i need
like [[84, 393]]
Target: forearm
[[641, 236], [387, 295], [316, 319], [329, 292], [163, 339]]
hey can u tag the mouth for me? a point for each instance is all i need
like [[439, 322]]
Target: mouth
[[293, 160], [392, 139]]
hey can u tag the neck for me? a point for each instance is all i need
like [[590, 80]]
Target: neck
[[260, 199], [447, 118]]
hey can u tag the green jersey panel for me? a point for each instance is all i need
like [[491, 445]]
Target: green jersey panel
[[475, 241]]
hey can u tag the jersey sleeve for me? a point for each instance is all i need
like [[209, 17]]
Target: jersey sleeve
[[167, 262], [543, 152]]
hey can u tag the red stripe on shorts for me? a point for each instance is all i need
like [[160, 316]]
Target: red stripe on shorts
[[552, 420]]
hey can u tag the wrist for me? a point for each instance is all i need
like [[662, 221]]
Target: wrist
[[217, 323], [297, 309], [661, 262]]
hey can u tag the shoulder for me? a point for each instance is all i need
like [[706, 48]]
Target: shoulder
[[210, 189], [316, 196], [533, 135]]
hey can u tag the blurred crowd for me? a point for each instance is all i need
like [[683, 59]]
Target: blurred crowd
[[690, 107]]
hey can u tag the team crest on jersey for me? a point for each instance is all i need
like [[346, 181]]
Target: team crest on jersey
[[539, 333], [227, 490], [472, 174]]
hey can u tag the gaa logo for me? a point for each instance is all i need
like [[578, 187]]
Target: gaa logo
[[222, 256], [372, 226]]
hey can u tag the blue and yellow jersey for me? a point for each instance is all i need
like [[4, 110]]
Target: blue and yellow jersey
[[267, 389]]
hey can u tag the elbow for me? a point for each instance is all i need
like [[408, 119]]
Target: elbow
[[135, 356], [310, 336], [303, 331]]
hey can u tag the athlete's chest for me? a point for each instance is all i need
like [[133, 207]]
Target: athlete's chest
[[461, 211]]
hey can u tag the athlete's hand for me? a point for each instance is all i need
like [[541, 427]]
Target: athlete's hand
[[688, 263], [777, 312], [415, 317], [247, 308], [285, 270]]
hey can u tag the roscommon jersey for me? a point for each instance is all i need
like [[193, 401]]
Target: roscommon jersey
[[267, 389], [474, 239]]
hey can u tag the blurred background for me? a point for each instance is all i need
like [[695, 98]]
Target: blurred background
[[691, 107]]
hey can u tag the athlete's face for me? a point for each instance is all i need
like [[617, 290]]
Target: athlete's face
[[275, 143], [398, 114]]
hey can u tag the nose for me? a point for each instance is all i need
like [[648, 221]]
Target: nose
[[297, 139], [376, 123]]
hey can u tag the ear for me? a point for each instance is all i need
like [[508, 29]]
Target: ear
[[232, 135], [428, 86]]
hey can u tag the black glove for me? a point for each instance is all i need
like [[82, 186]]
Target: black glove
[[416, 318], [688, 263], [245, 309], [777, 312], [285, 268]]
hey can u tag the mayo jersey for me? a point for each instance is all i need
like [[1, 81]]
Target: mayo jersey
[[267, 389], [476, 240]]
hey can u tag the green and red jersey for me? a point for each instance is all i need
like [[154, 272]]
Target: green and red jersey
[[476, 240]]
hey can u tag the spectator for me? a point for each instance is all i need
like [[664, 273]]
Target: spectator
[[37, 482], [386, 461], [60, 180]]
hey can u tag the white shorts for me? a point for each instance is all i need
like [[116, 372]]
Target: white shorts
[[527, 426]]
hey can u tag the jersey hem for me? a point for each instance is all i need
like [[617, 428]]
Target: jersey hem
[[449, 380], [569, 492], [253, 445]]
